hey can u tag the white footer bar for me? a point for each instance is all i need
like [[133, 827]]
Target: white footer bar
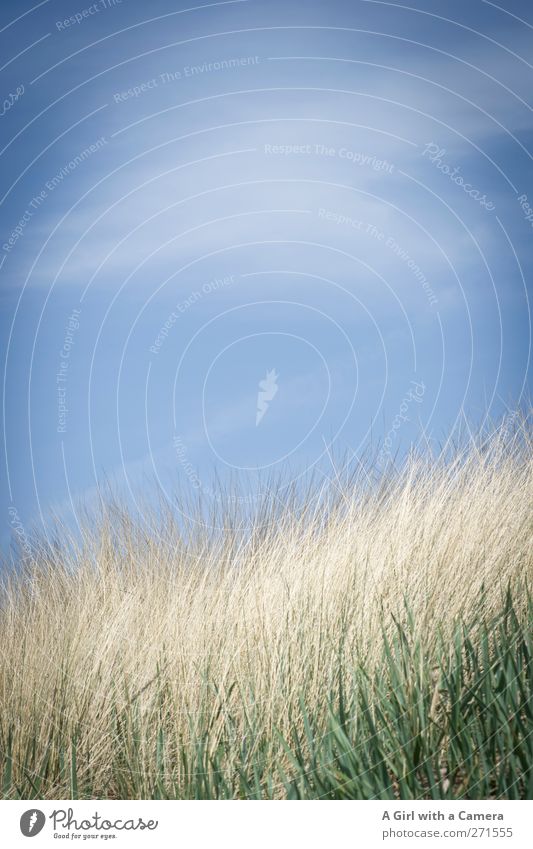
[[267, 824]]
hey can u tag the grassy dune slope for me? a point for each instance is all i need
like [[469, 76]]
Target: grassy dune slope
[[373, 643]]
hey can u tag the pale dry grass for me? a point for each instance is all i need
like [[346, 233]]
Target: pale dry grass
[[244, 623]]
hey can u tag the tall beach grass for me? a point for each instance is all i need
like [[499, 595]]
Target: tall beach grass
[[370, 640]]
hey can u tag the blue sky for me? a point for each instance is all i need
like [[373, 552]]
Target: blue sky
[[327, 199]]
